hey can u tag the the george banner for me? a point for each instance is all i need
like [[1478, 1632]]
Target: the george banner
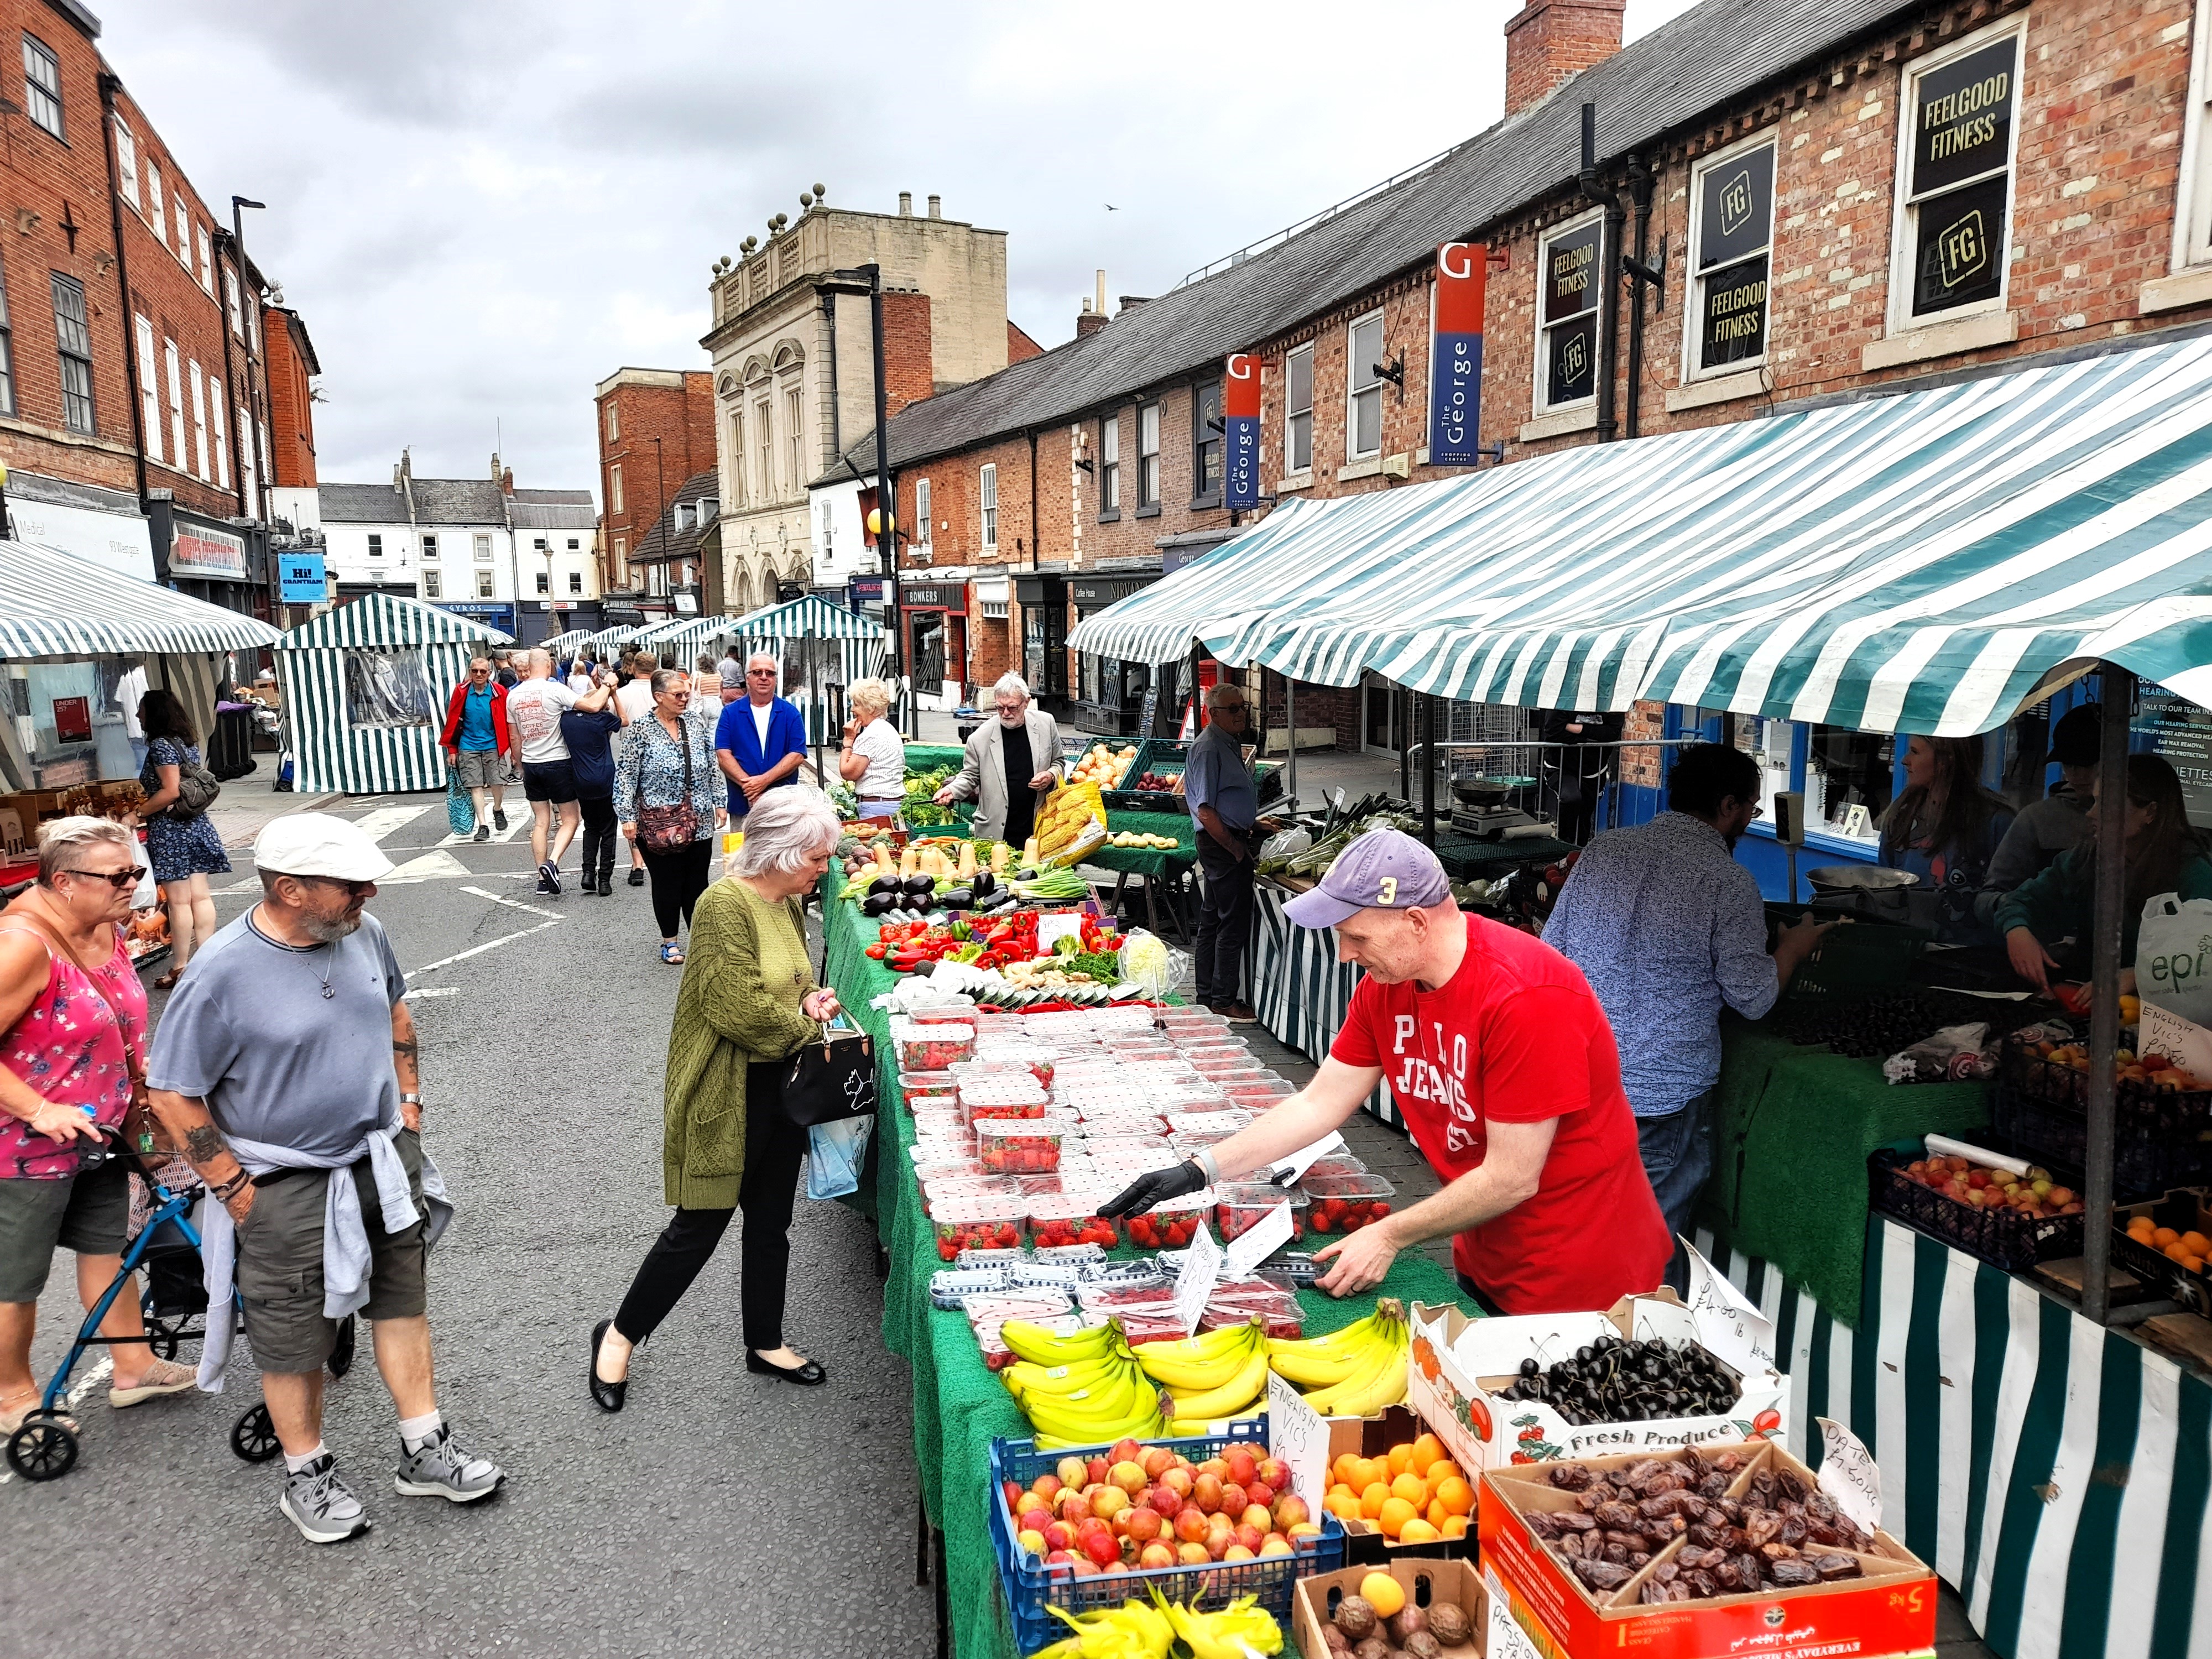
[[1456, 355], [1240, 420]]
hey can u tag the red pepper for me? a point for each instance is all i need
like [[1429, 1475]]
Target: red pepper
[[990, 959], [876, 951]]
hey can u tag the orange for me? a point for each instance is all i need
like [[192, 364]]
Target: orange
[[1342, 1505], [1372, 1500], [1456, 1526], [2194, 1263], [2163, 1236], [1437, 1514], [1365, 1471], [1346, 1466], [1419, 1532], [2140, 1228], [2175, 1253], [1456, 1496], [1396, 1513], [1339, 1490], [1426, 1451], [1439, 1471], [2196, 1243], [1410, 1487], [1402, 1456]]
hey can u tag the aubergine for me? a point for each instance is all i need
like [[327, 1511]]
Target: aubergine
[[958, 898], [877, 904], [922, 885], [886, 885], [984, 885]]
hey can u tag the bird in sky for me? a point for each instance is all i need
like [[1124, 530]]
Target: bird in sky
[[1110, 208]]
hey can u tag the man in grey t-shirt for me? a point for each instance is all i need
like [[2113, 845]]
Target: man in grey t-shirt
[[285, 1066]]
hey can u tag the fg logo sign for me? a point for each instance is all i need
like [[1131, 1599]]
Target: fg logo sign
[[1736, 204], [1963, 249]]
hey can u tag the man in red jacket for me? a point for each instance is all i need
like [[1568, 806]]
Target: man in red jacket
[[475, 740]]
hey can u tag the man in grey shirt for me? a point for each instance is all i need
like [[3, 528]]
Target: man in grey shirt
[[2046, 828], [286, 1068]]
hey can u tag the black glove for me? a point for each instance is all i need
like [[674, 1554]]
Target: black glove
[[1156, 1186]]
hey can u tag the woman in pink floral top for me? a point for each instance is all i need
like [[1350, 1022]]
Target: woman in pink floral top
[[72, 1034]]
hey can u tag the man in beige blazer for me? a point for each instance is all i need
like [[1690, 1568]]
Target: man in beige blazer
[[1010, 765]]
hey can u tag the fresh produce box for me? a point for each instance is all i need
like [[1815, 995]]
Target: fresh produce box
[[1241, 1204], [1396, 1490], [2166, 1244], [1859, 958], [1345, 1203], [1095, 1494], [979, 1224], [1017, 1146], [1171, 1225], [1843, 1587], [1334, 1612], [1594, 1392], [1011, 1095], [930, 1047], [1071, 1218], [2003, 1211]]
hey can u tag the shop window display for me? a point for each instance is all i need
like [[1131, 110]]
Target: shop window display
[[1849, 777]]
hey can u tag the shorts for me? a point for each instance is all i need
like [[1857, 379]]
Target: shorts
[[89, 1212], [280, 1261], [553, 781], [479, 768]]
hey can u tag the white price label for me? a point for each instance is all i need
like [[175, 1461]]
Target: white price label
[[1728, 1323], [1304, 1158], [1260, 1241], [1296, 1434], [1201, 1272], [1848, 1474], [1060, 924]]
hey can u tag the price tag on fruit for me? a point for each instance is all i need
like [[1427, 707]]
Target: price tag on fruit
[[1296, 1434], [1848, 1474], [1729, 1324], [1260, 1241], [1201, 1271], [1299, 1162]]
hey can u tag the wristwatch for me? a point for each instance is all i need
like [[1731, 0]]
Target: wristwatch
[[411, 1100]]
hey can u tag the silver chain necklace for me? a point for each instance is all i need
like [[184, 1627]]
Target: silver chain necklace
[[330, 964]]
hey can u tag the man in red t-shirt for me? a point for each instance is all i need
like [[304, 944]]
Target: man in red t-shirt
[[1500, 1060]]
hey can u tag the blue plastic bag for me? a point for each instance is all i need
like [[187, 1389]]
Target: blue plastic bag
[[835, 1153]]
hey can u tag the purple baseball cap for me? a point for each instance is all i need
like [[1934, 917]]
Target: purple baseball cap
[[1384, 870]]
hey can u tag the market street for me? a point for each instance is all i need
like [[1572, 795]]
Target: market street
[[722, 1512]]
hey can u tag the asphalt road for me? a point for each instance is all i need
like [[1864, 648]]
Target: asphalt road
[[721, 1512]]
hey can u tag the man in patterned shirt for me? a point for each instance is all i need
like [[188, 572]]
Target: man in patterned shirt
[[1668, 928]]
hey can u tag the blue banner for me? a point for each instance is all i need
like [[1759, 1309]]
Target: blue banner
[[300, 579], [1240, 421], [1456, 355]]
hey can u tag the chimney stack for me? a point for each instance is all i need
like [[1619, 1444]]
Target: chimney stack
[[507, 480], [1548, 40], [905, 204], [936, 206], [1088, 321]]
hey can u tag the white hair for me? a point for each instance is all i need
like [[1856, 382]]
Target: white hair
[[785, 827], [870, 694], [59, 838], [768, 657], [1012, 685]]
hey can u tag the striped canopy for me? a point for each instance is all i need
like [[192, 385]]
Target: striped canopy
[[809, 617], [385, 619], [1925, 562], [574, 636], [686, 636], [55, 605]]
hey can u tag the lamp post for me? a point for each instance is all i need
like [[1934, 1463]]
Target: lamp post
[[868, 279]]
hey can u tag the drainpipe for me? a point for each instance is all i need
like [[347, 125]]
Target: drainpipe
[[1608, 314], [108, 83], [830, 322], [1639, 193]]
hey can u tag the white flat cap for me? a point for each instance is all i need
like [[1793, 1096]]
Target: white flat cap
[[318, 844]]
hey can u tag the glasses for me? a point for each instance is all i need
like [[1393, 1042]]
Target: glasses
[[1009, 708], [118, 879], [354, 889], [762, 673], [1759, 811]]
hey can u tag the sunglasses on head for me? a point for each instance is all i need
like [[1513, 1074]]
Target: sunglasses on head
[[118, 879]]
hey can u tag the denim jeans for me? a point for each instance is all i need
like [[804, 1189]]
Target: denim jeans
[[1677, 1149]]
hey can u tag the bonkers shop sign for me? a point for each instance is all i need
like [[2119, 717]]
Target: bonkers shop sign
[[1455, 354]]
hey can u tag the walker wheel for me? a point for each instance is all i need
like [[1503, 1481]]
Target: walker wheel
[[44, 1449], [341, 1360], [254, 1436]]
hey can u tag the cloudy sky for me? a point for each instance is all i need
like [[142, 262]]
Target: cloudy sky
[[483, 207]]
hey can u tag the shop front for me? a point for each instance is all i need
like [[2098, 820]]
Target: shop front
[[1109, 692], [103, 525], [489, 613], [221, 563], [935, 618], [1043, 597]]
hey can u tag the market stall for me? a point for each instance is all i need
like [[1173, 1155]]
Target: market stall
[[366, 686], [823, 649]]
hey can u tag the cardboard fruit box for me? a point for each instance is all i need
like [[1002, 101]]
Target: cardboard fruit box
[[1461, 1368], [1426, 1583], [1889, 1609]]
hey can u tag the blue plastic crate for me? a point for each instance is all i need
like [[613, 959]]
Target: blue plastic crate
[[1031, 1589]]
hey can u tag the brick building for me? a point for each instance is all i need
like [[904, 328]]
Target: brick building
[[1847, 195], [656, 429], [133, 384], [293, 366]]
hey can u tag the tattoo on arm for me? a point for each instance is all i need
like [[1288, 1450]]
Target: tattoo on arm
[[202, 1142], [408, 1047]]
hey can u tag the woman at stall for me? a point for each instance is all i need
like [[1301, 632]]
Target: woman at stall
[[74, 1017], [748, 1002], [2164, 855], [667, 788], [874, 758], [707, 685], [185, 850], [1944, 828]]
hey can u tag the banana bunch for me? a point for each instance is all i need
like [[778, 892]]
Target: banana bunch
[[1083, 1389], [1211, 1377], [1352, 1372]]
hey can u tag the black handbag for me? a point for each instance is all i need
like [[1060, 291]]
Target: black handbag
[[828, 1081]]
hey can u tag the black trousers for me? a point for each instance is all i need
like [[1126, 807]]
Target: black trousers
[[678, 878], [774, 1148], [600, 833], [1225, 921]]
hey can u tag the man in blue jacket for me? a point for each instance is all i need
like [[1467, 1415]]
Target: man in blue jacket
[[760, 741]]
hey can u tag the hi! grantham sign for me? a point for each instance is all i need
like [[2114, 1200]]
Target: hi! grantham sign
[[1240, 420], [1456, 355]]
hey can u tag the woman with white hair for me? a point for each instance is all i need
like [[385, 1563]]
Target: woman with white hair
[[1010, 764], [748, 1002], [873, 757]]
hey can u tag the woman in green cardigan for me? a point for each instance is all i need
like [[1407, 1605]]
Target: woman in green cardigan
[[748, 1002]]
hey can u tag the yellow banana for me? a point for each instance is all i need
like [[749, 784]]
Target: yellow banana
[[1333, 1402], [1207, 1343], [1089, 1409], [1386, 1388], [1022, 1377], [1041, 1346], [1187, 1373], [1297, 1363], [1247, 1384]]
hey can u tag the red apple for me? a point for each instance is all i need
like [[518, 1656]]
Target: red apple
[[1094, 1472], [1060, 1536], [1190, 1526], [1142, 1524], [1013, 1495], [1166, 1500], [1073, 1506], [1035, 1520], [1233, 1500], [1060, 1561], [1127, 1451], [1243, 1467], [1275, 1473], [1218, 1544], [1206, 1492], [1290, 1511], [1103, 1549], [1260, 1494], [1179, 1480], [1157, 1462], [1250, 1536], [1155, 1555]]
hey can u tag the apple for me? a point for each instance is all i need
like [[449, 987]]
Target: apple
[[1013, 1495], [1179, 1480], [1060, 1561], [1083, 1567], [1273, 1472], [1127, 1451], [1259, 1495], [1290, 1511], [1216, 1467], [1243, 1467], [1250, 1536], [1072, 1471], [1192, 1555], [1142, 1524], [1094, 1472], [1035, 1520], [1129, 1477], [1107, 1502], [1307, 1530], [1060, 1536], [1237, 1552], [1033, 1542], [1165, 1500], [1206, 1492], [2062, 1196], [1190, 1526], [1156, 1461], [1233, 1501], [1159, 1555], [1103, 1549], [1073, 1506], [1276, 1544], [1218, 1544]]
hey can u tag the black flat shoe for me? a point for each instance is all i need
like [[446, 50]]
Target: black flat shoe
[[809, 1376], [637, 877], [607, 1396]]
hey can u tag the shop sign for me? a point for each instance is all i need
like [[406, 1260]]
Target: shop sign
[[934, 596], [1240, 421], [1962, 184], [1569, 291], [300, 579], [1455, 354], [196, 552], [2182, 732], [1737, 208], [865, 590], [1096, 592], [1173, 559]]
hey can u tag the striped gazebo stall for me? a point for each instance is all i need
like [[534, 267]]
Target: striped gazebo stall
[[796, 632], [365, 692]]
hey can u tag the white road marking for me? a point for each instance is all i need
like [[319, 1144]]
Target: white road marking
[[517, 823], [91, 1379], [381, 822], [492, 944], [410, 994], [514, 905], [427, 867]]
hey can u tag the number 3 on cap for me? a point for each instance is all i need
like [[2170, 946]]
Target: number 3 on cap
[[1389, 893]]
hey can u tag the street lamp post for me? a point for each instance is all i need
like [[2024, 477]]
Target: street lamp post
[[868, 279]]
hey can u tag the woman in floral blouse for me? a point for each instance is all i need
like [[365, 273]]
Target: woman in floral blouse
[[666, 791]]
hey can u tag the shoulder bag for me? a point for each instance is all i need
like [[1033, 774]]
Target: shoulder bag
[[197, 787], [670, 829], [829, 1081]]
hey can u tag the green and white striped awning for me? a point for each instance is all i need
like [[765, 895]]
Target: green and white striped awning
[[377, 620], [1925, 562], [56, 604], [687, 636], [566, 641], [809, 617]]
